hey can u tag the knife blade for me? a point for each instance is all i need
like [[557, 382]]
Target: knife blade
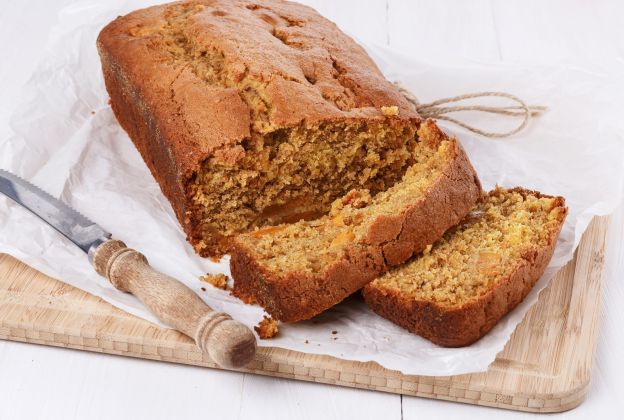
[[67, 221], [229, 343]]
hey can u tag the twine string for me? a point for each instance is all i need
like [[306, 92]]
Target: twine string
[[436, 111]]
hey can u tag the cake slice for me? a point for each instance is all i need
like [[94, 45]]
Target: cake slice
[[456, 291], [296, 271]]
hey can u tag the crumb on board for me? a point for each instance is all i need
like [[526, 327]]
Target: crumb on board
[[334, 332], [267, 328], [390, 111], [306, 341], [215, 259], [203, 289], [217, 280]]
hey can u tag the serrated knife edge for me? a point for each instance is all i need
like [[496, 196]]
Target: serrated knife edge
[[66, 220]]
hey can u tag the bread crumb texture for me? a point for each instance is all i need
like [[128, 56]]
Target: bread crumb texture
[[390, 110], [311, 246], [216, 280], [497, 236], [267, 328], [297, 173]]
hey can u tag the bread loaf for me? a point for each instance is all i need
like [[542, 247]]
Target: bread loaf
[[252, 113]]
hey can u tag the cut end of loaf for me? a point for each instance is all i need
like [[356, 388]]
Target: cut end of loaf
[[296, 173], [455, 291], [311, 246]]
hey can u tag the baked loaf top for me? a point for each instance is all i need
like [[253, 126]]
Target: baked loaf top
[[217, 70], [298, 270], [456, 291]]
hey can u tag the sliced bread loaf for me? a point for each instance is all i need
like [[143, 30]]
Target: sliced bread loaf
[[296, 271], [251, 113], [456, 291]]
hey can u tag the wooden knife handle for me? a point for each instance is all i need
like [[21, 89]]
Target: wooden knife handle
[[229, 343]]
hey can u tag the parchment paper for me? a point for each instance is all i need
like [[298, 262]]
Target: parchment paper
[[68, 142]]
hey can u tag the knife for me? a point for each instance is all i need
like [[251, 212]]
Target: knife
[[229, 343]]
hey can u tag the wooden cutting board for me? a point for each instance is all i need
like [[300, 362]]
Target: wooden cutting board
[[545, 366]]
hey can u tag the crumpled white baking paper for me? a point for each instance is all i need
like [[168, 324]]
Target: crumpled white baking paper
[[68, 142]]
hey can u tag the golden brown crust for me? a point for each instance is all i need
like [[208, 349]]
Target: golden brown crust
[[391, 241], [463, 325], [307, 71]]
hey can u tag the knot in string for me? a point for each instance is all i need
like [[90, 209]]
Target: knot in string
[[436, 111]]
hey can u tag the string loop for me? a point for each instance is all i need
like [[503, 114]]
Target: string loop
[[436, 111]]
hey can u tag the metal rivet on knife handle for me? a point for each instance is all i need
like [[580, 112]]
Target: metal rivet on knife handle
[[229, 343]]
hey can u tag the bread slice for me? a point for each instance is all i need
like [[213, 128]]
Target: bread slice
[[456, 291], [297, 271]]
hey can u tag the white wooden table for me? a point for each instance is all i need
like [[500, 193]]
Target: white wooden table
[[49, 383]]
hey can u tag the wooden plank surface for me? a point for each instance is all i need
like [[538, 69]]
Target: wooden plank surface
[[545, 367]]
